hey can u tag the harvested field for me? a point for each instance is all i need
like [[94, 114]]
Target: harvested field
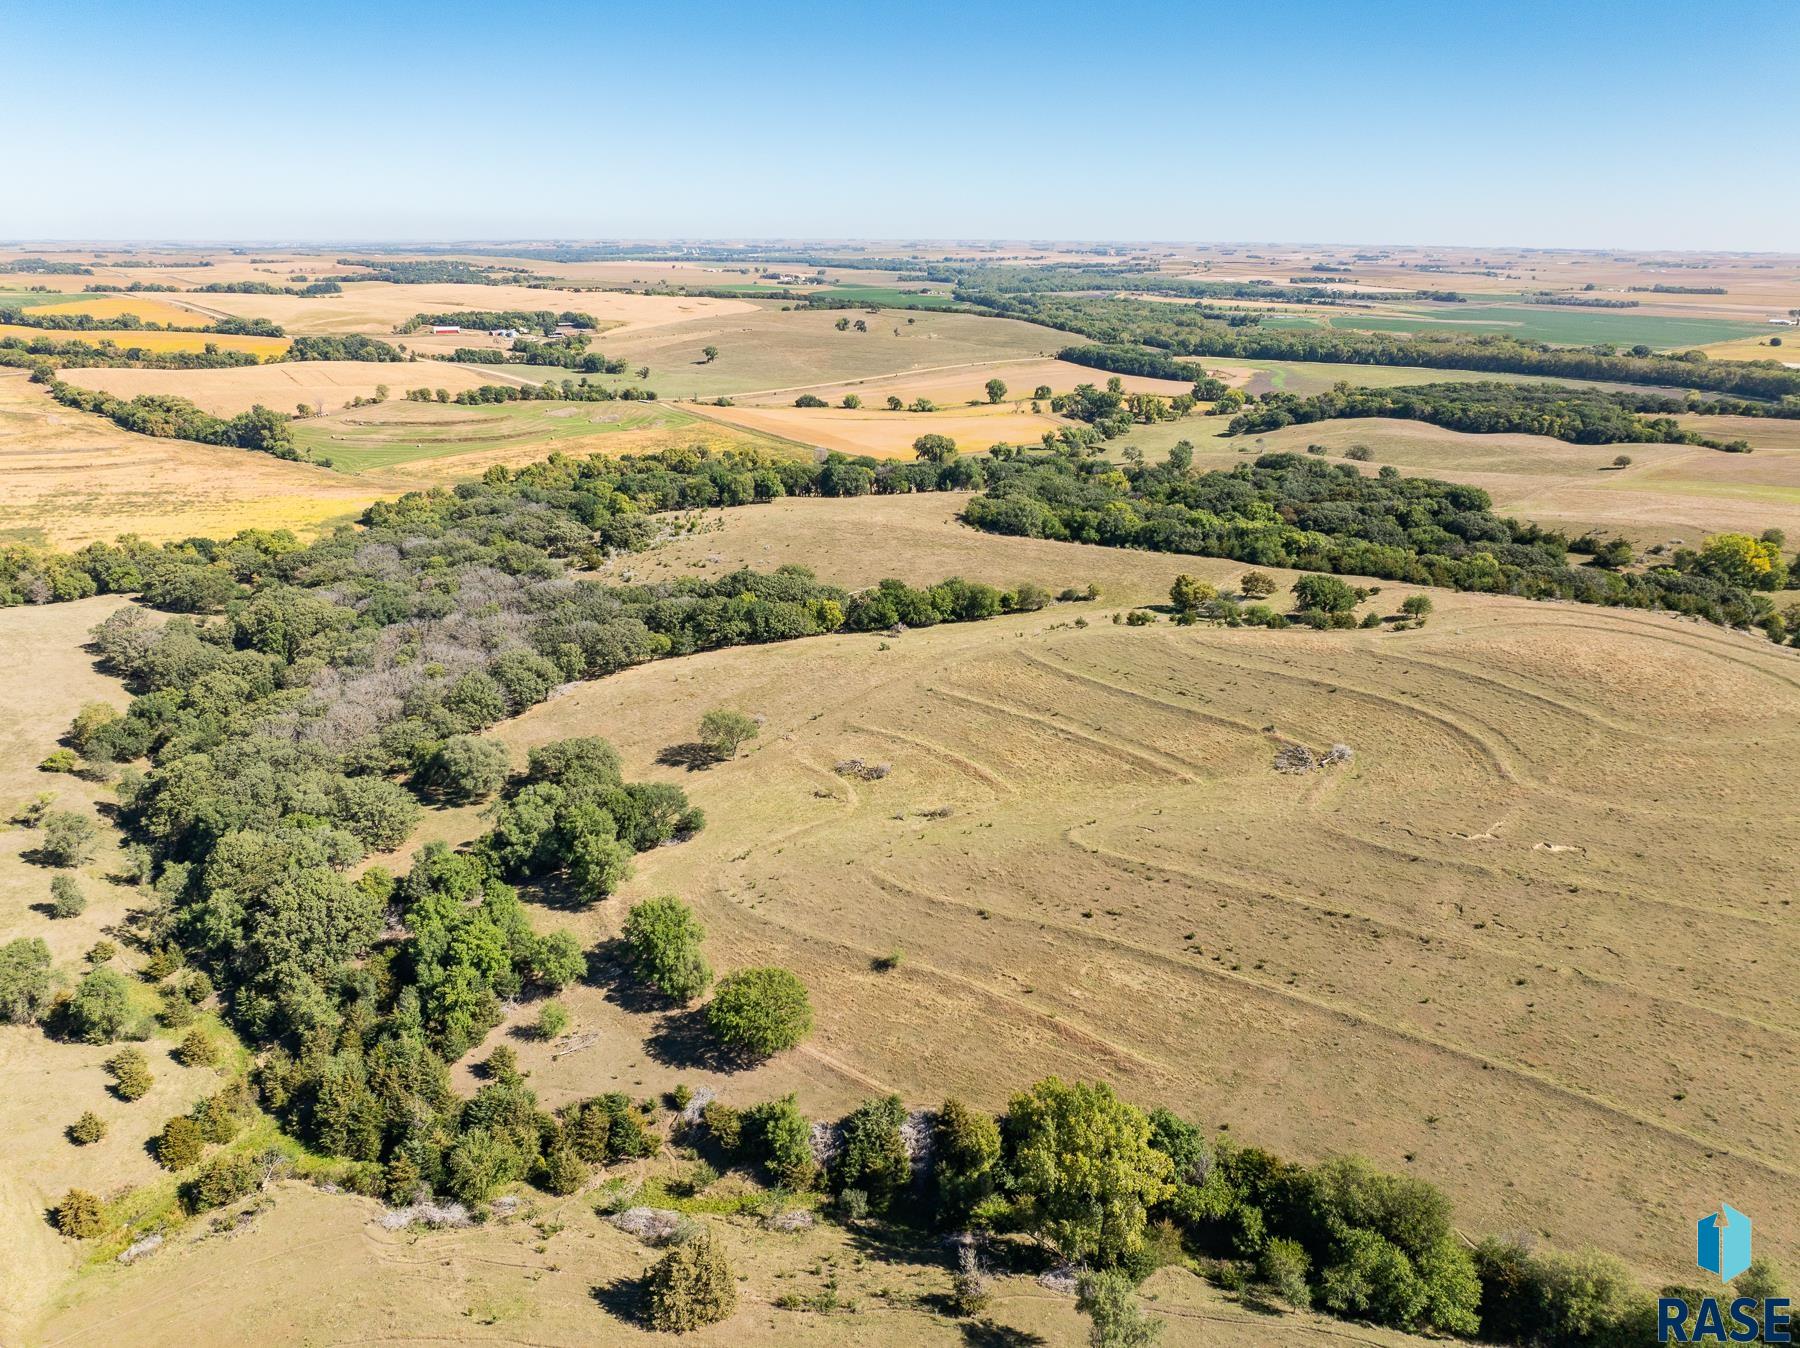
[[282, 387], [889, 435], [443, 440], [72, 478], [769, 350], [378, 306], [957, 386]]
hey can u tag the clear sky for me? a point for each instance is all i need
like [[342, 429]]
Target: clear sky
[[1585, 123]]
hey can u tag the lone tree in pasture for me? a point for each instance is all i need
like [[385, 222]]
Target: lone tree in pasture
[[935, 448], [996, 390], [1327, 594], [66, 898], [663, 938], [724, 731], [1256, 585], [1416, 606], [758, 1013], [709, 354], [70, 839], [1189, 594], [691, 1286], [851, 401]]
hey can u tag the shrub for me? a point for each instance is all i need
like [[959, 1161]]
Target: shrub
[[130, 1072], [874, 1159], [24, 980], [1190, 595], [1583, 1297], [61, 760], [1416, 606], [691, 1286], [663, 939], [724, 732], [100, 1007], [67, 898], [69, 839], [79, 1215], [965, 1147], [88, 1129], [197, 1049], [467, 767], [1083, 1168], [1110, 1301], [221, 1180], [1361, 453], [101, 952], [180, 1144], [552, 1020], [564, 1170], [776, 1134], [1323, 594], [724, 1125], [758, 1013], [810, 400], [971, 1290], [1283, 1266]]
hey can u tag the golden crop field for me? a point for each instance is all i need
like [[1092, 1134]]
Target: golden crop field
[[155, 341]]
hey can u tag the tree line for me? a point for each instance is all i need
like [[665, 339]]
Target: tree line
[[1294, 511], [1182, 332], [1582, 416], [543, 320]]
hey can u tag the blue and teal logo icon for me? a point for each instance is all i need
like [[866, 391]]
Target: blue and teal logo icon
[[1722, 1242], [1722, 1248]]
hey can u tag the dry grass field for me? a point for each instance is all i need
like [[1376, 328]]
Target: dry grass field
[[283, 386], [1484, 952], [957, 386], [1668, 493], [441, 441], [768, 350], [378, 306], [45, 677], [72, 478], [889, 435]]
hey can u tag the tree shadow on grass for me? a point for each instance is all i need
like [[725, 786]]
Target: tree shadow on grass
[[693, 756], [625, 1299], [684, 1039], [609, 970], [987, 1334]]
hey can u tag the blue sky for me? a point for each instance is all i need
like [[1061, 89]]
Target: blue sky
[[1580, 123]]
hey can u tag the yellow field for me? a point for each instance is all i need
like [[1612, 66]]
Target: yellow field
[[72, 478], [1759, 348], [150, 308], [156, 341], [282, 387]]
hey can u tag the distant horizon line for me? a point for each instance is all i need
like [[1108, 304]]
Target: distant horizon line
[[76, 243]]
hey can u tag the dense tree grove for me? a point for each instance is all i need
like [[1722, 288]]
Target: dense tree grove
[[1296, 511], [486, 320], [45, 355], [169, 417], [1097, 1180], [276, 714], [343, 346], [1185, 331], [1583, 416], [1132, 360]]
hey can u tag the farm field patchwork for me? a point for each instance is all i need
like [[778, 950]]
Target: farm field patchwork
[[154, 341]]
